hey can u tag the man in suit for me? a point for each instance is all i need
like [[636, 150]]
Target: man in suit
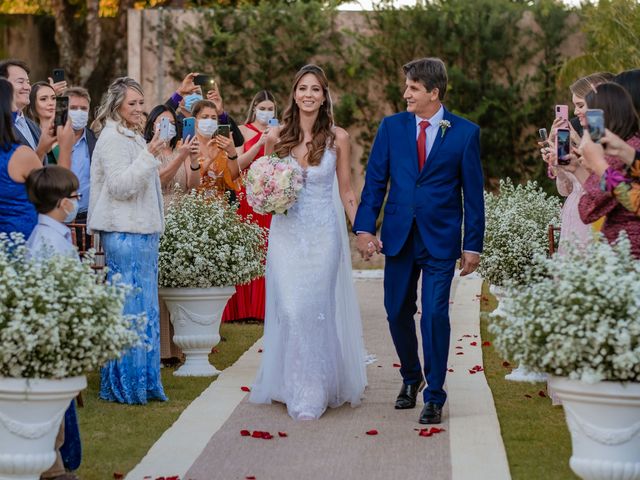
[[27, 132], [431, 159]]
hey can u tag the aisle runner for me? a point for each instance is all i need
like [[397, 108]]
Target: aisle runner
[[337, 447]]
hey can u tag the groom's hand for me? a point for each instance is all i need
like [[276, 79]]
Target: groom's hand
[[367, 244], [469, 262]]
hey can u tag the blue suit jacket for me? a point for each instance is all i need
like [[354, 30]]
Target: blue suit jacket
[[433, 197]]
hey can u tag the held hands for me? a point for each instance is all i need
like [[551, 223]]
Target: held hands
[[367, 244], [469, 262]]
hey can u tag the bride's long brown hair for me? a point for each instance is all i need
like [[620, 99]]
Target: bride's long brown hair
[[291, 134]]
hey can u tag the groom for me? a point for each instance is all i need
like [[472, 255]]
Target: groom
[[431, 159]]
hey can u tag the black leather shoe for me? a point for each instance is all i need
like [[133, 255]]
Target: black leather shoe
[[431, 413], [408, 394]]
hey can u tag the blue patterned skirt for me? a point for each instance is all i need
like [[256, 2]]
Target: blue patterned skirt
[[135, 377]]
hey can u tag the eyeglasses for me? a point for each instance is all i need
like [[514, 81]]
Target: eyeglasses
[[77, 196]]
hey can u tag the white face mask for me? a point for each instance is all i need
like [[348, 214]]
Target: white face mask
[[79, 119], [263, 116], [74, 211], [207, 127], [172, 131]]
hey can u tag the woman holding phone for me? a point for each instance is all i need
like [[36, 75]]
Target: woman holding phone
[[249, 300], [219, 169]]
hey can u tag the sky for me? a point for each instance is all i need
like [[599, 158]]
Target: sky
[[366, 4]]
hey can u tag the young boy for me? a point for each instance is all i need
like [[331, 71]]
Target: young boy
[[54, 192]]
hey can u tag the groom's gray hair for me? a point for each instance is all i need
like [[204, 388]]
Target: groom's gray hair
[[430, 71]]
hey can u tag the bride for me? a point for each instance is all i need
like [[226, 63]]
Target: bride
[[313, 349]]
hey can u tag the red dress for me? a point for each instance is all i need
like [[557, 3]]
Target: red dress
[[249, 300]]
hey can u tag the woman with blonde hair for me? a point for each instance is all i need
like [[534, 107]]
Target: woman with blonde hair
[[314, 355], [126, 210]]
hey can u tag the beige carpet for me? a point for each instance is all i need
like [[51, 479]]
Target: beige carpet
[[336, 447]]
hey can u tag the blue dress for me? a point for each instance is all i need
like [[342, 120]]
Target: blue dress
[[17, 213], [135, 377]]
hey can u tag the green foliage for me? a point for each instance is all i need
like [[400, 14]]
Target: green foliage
[[250, 48], [612, 28]]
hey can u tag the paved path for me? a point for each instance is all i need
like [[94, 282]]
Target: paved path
[[205, 442]]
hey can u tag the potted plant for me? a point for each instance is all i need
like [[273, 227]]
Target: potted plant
[[516, 230], [206, 249], [56, 323], [577, 318]]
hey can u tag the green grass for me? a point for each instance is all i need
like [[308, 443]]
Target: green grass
[[535, 433], [115, 437]]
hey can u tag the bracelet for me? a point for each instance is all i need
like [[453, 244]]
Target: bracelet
[[194, 169], [235, 157]]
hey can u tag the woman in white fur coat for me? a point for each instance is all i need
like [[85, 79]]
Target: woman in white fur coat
[[126, 209]]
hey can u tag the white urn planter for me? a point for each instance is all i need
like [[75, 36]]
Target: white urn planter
[[196, 314], [520, 373], [31, 411], [604, 421]]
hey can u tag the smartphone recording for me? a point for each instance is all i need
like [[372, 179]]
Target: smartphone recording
[[204, 81], [595, 122], [563, 146], [224, 130], [62, 111]]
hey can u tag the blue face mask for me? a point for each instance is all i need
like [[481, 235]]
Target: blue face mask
[[72, 214], [189, 100]]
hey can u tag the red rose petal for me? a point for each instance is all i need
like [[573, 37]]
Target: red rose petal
[[542, 394], [527, 395], [245, 389], [260, 350], [282, 434], [478, 296], [472, 372], [486, 344], [466, 336], [118, 475], [257, 434], [450, 370], [214, 350], [266, 436], [175, 477], [372, 432], [506, 364], [250, 477], [379, 366], [245, 433], [475, 336], [485, 298], [397, 365], [425, 433], [459, 353], [478, 368], [419, 312], [473, 344], [459, 347]]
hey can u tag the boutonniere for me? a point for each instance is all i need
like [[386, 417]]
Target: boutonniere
[[444, 124]]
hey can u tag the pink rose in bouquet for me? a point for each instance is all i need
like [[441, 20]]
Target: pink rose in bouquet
[[273, 184]]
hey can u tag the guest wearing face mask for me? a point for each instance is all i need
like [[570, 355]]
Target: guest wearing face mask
[[218, 157], [188, 94], [249, 300], [53, 190], [180, 168], [126, 209]]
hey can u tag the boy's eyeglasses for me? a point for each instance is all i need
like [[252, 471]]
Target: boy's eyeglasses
[[76, 195]]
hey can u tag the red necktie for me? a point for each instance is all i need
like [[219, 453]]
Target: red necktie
[[422, 144]]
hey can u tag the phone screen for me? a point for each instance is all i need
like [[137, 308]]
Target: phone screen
[[62, 111], [188, 127], [224, 130], [563, 146], [595, 120]]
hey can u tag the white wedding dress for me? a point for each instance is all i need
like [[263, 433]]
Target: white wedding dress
[[313, 354]]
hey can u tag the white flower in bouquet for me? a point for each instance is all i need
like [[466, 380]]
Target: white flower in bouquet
[[576, 315], [273, 184], [207, 244], [56, 320], [516, 226]]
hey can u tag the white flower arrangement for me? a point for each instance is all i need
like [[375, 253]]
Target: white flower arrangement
[[576, 315], [207, 244], [516, 228], [444, 125], [56, 320]]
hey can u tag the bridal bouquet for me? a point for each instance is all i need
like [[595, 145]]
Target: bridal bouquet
[[273, 184]]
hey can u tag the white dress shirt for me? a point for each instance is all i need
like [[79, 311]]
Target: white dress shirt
[[50, 238]]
